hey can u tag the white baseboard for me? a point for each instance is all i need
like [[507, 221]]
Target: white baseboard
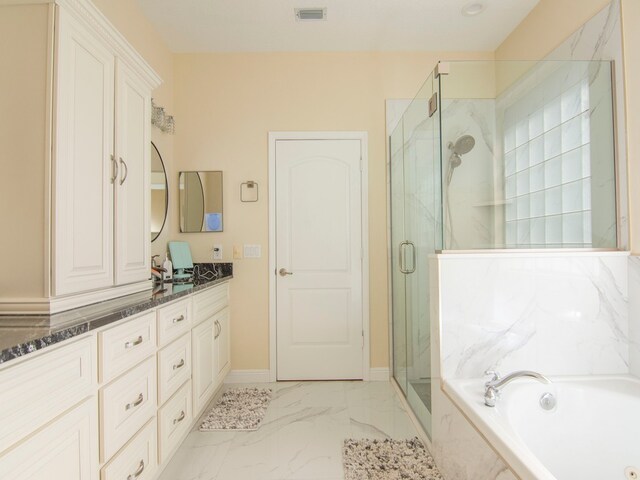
[[263, 376], [380, 374], [248, 376]]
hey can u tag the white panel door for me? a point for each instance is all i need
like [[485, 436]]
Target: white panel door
[[318, 252], [67, 449], [82, 175], [133, 195]]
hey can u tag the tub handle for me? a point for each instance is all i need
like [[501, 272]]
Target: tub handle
[[494, 375]]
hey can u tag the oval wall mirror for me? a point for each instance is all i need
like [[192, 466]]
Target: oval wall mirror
[[159, 193]]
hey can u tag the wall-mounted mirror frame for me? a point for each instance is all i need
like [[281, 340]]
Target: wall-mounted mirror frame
[[200, 197], [158, 213]]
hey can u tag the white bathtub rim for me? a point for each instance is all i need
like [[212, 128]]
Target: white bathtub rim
[[508, 446]]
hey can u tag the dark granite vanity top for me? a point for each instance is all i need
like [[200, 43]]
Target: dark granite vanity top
[[24, 334]]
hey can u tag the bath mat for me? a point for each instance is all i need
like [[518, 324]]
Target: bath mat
[[238, 409], [388, 460]]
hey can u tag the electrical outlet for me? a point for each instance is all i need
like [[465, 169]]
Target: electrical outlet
[[252, 251], [217, 252], [237, 252]]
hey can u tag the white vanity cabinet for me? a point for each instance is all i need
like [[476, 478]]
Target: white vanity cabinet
[[87, 191], [49, 419], [117, 402], [210, 343]]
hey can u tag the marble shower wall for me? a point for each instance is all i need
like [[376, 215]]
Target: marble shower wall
[[556, 313], [469, 197]]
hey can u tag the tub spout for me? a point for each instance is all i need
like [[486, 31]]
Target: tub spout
[[493, 386]]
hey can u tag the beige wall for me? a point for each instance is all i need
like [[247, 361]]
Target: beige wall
[[547, 26], [227, 103], [24, 57], [134, 26]]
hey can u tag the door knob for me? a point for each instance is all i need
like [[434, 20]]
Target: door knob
[[283, 272]]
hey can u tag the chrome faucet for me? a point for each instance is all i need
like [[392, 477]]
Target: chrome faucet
[[493, 386]]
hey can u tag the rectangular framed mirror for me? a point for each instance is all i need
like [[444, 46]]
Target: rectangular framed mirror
[[200, 201]]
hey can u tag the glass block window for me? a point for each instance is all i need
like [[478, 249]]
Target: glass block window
[[548, 170]]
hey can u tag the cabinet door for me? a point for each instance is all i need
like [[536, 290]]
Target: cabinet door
[[133, 196], [67, 449], [203, 365], [222, 345], [82, 170]]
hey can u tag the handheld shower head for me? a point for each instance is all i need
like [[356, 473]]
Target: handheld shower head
[[463, 145]]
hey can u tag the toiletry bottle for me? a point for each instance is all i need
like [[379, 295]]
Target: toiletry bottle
[[168, 266]]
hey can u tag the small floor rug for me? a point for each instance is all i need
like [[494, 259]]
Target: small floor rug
[[388, 460], [238, 409]]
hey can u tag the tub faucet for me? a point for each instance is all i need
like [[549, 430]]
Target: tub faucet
[[493, 386]]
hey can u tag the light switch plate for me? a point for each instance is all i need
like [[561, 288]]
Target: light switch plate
[[252, 251], [217, 252], [237, 252]]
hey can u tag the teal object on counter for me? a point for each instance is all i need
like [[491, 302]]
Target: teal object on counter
[[181, 259]]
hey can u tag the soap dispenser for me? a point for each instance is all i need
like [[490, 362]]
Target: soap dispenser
[[168, 266]]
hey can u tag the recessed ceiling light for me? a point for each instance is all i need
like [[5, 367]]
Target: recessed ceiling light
[[310, 14], [472, 9]]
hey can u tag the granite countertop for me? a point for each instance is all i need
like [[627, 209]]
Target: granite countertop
[[24, 334]]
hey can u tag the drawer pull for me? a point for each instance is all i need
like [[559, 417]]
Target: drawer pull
[[133, 343], [179, 365], [179, 319], [218, 330], [138, 472], [138, 401], [180, 418]]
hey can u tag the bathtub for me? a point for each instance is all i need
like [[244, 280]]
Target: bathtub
[[593, 432]]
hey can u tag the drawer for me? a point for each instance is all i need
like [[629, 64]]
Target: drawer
[[126, 405], [210, 302], [173, 320], [174, 367], [138, 459], [37, 390], [126, 345], [174, 421]]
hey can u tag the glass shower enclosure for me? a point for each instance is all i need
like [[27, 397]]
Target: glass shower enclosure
[[416, 232], [495, 155]]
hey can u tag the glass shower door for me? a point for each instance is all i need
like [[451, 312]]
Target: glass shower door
[[416, 233]]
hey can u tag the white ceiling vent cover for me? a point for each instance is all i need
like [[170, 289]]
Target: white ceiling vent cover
[[310, 14]]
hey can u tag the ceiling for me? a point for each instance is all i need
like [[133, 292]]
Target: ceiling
[[351, 25]]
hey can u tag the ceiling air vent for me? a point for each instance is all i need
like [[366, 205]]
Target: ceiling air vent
[[310, 14]]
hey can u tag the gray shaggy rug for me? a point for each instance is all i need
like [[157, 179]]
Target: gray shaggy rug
[[388, 460], [238, 409]]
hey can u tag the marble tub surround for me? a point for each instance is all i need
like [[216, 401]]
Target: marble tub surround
[[634, 315], [21, 335], [556, 313]]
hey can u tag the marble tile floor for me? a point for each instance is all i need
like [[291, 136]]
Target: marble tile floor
[[301, 436]]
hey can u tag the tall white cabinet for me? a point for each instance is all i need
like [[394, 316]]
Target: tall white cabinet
[[96, 232]]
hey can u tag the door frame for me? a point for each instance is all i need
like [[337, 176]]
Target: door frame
[[364, 225]]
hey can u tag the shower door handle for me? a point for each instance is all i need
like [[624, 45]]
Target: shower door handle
[[413, 257], [403, 257]]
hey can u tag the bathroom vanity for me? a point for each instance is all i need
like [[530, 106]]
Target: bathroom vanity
[[109, 391]]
